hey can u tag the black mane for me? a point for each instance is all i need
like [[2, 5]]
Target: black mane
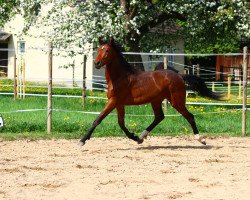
[[119, 49]]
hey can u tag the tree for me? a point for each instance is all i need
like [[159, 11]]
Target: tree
[[29, 9], [143, 25], [7, 9], [217, 26]]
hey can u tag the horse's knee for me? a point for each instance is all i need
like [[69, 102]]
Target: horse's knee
[[190, 115], [161, 117]]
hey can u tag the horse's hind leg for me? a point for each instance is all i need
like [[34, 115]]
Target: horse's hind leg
[[159, 116], [179, 104]]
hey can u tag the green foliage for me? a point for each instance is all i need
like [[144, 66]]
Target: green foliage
[[217, 26], [38, 88], [7, 9], [28, 9], [207, 26]]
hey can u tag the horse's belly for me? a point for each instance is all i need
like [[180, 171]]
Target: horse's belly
[[143, 96]]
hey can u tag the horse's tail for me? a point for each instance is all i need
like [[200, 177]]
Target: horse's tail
[[197, 84]]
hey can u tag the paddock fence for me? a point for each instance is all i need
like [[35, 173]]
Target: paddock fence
[[20, 88]]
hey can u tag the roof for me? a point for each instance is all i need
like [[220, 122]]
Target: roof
[[4, 37]]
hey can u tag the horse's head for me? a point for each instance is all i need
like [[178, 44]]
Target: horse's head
[[105, 53]]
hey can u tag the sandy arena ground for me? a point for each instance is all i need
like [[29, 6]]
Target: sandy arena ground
[[117, 168]]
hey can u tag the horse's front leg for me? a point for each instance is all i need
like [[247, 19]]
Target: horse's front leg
[[108, 108], [121, 115]]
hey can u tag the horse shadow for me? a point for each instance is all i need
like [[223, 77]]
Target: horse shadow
[[175, 147]]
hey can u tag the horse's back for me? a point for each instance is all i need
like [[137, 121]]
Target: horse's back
[[168, 79], [153, 86], [172, 81]]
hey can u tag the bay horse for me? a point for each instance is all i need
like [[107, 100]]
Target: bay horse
[[126, 86]]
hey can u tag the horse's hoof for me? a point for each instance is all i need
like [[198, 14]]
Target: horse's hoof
[[201, 139], [139, 141], [203, 142], [144, 134], [81, 143]]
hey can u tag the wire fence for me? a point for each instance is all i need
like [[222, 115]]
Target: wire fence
[[98, 83], [133, 112], [127, 114]]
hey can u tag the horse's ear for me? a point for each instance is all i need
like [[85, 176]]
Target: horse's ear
[[112, 41], [101, 42]]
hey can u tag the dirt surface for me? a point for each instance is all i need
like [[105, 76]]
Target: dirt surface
[[117, 168]]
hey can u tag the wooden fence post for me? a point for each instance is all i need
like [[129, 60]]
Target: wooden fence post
[[15, 79], [193, 69], [198, 70], [213, 86], [49, 105], [84, 80], [228, 87], [244, 97], [240, 88], [18, 79], [165, 61], [23, 79]]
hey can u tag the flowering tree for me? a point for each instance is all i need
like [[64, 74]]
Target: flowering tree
[[6, 10], [141, 25]]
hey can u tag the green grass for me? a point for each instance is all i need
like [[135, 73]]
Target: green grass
[[71, 123]]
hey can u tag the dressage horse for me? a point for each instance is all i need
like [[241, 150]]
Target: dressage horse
[[127, 86]]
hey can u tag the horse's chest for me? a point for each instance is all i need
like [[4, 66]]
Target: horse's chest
[[118, 89]]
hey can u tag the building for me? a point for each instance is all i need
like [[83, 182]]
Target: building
[[232, 65], [4, 41], [32, 52]]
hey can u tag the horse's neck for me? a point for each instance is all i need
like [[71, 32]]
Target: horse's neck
[[115, 71]]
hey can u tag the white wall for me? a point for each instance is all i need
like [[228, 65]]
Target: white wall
[[36, 57], [150, 64]]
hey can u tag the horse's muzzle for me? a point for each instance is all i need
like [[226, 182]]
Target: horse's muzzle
[[98, 65]]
